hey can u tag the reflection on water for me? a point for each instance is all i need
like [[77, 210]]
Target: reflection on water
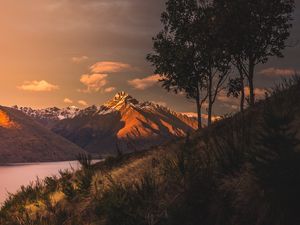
[[12, 176]]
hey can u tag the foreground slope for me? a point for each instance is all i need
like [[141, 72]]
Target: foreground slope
[[124, 125], [24, 140]]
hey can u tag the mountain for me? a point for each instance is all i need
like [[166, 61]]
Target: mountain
[[49, 116], [122, 124], [22, 139]]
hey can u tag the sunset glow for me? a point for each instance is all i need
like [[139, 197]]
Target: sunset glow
[[89, 50]]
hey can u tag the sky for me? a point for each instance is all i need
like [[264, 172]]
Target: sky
[[81, 52]]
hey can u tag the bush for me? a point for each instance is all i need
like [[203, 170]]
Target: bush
[[66, 184]]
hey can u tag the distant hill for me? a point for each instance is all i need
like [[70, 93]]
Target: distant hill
[[123, 124], [22, 139]]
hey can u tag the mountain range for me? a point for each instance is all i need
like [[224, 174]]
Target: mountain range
[[121, 125]]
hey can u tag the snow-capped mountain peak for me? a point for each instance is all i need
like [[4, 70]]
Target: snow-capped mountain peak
[[120, 100]]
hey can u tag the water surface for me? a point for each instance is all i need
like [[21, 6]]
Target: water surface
[[12, 176]]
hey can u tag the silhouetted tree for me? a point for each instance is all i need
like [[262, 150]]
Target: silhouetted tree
[[236, 89], [176, 51], [255, 30], [189, 53], [215, 57]]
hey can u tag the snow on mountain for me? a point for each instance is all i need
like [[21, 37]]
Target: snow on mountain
[[50, 113], [190, 114], [49, 116]]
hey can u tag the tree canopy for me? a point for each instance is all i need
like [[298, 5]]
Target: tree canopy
[[202, 39], [255, 30]]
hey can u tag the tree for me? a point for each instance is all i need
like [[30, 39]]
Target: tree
[[256, 30], [176, 53], [190, 54], [213, 55], [236, 88]]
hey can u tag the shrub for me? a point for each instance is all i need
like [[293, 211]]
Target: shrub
[[66, 184]]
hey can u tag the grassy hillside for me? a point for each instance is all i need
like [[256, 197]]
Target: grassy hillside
[[244, 170]]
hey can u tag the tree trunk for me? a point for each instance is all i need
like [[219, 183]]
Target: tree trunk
[[242, 95], [209, 112], [210, 101], [251, 83], [242, 74], [198, 109]]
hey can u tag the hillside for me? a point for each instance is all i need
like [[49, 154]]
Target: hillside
[[243, 170], [123, 124], [24, 140]]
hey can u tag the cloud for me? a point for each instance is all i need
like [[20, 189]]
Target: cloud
[[110, 67], [97, 79], [109, 89], [144, 83], [93, 82], [260, 93], [68, 101], [222, 97], [79, 59], [234, 103], [82, 102], [278, 72], [38, 86]]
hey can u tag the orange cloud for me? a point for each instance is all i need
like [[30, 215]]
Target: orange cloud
[[93, 82], [144, 83], [260, 93], [79, 59], [228, 101], [110, 67], [38, 86], [235, 102], [278, 72], [68, 101], [82, 102], [109, 89]]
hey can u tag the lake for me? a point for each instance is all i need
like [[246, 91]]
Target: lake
[[12, 176]]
